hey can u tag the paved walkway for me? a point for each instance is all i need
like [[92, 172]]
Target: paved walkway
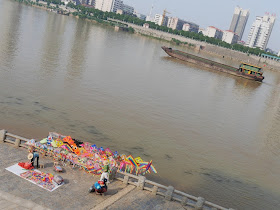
[[9, 201], [18, 193]]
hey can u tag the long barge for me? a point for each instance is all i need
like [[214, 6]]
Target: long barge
[[245, 70]]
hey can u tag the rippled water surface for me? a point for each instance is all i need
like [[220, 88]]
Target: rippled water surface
[[208, 134]]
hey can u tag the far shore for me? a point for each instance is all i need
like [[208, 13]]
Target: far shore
[[196, 46]]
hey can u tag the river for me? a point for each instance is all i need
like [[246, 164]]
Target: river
[[209, 134]]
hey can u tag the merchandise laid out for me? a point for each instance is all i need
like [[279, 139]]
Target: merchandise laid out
[[45, 180], [42, 179], [88, 157]]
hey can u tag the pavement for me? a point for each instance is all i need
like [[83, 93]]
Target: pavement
[[11, 202], [18, 193]]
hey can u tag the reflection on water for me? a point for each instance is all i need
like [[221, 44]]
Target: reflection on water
[[10, 35], [272, 123], [53, 41], [78, 49], [218, 132]]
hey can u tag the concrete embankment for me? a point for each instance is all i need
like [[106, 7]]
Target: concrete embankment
[[126, 191], [19, 193], [208, 48]]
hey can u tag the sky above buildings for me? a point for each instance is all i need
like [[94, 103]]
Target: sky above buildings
[[216, 13]]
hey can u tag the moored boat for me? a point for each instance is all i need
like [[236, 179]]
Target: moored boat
[[245, 70]]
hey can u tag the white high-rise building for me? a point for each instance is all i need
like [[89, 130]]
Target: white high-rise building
[[278, 54], [186, 27], [117, 5], [260, 31], [214, 32], [104, 5], [176, 23], [108, 5], [230, 37], [158, 20]]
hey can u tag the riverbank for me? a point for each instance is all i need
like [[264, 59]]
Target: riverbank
[[198, 46], [132, 192]]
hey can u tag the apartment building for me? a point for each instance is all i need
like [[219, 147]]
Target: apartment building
[[260, 31]]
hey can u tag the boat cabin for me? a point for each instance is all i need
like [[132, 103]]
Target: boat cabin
[[250, 69]]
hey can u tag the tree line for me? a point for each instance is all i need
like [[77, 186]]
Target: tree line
[[100, 16], [91, 13]]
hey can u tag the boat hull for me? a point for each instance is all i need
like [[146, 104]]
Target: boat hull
[[209, 64]]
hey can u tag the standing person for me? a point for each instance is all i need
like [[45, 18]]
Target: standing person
[[35, 156], [105, 174]]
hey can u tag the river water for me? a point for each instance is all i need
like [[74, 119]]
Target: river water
[[209, 134]]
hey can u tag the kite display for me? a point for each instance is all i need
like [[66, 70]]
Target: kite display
[[90, 158]]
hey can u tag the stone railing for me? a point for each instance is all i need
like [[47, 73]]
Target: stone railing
[[13, 139], [187, 201]]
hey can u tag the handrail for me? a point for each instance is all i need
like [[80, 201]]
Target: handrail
[[185, 194], [17, 137], [157, 189], [131, 175], [156, 184]]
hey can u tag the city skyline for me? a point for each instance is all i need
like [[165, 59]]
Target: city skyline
[[212, 13]]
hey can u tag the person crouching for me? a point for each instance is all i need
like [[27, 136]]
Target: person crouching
[[35, 155]]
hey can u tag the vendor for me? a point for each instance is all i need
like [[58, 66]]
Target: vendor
[[35, 156], [105, 174]]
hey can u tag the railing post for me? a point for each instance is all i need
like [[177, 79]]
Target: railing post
[[155, 189], [17, 142], [141, 182], [184, 201], [2, 135], [199, 204], [125, 179], [169, 192], [113, 173]]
